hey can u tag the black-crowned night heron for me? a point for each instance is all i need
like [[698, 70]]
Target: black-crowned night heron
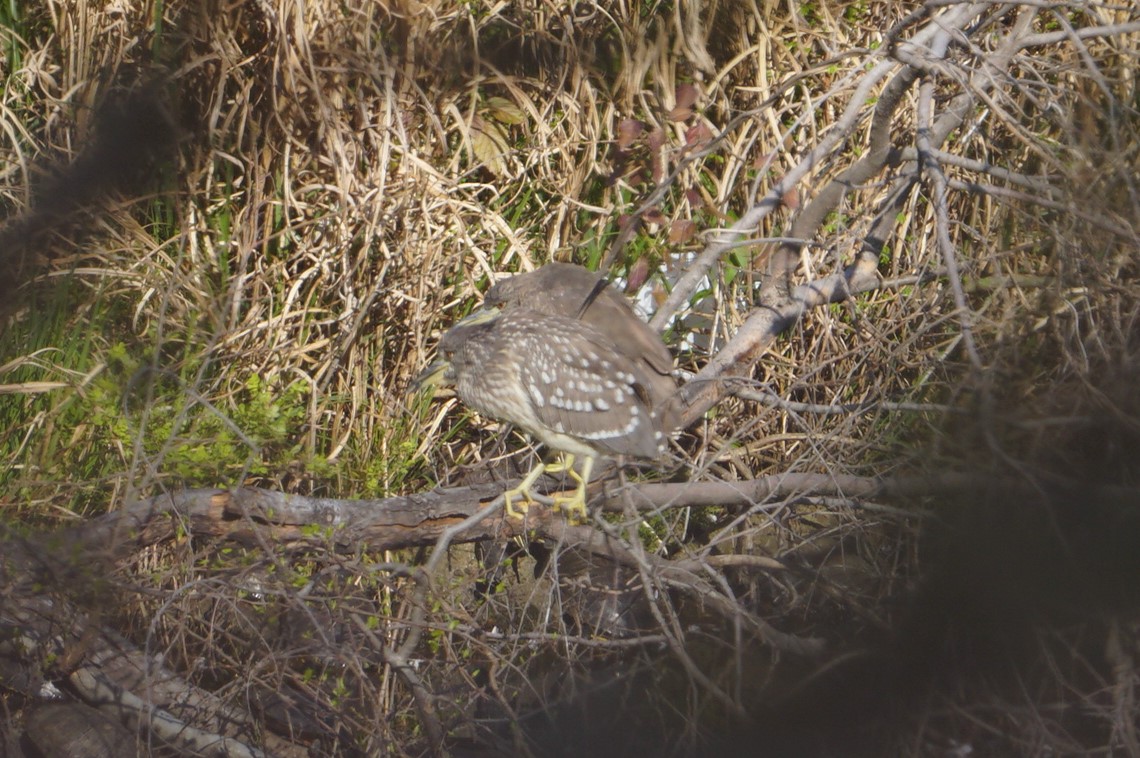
[[559, 379], [563, 289]]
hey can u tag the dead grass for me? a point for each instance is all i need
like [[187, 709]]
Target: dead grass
[[250, 304]]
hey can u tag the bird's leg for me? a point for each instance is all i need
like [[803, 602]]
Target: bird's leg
[[565, 462], [574, 505], [522, 490]]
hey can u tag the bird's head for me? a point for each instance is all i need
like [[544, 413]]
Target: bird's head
[[441, 372]]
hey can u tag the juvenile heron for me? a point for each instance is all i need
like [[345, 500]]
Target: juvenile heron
[[563, 289], [559, 379]]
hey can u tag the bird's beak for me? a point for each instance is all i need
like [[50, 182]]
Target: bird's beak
[[435, 374], [479, 316], [432, 376]]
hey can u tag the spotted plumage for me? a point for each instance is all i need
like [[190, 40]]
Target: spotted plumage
[[561, 380], [581, 295], [579, 394]]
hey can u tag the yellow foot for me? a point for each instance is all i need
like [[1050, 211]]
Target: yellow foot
[[521, 491], [574, 506], [509, 498]]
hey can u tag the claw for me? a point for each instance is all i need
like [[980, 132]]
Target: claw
[[573, 505], [523, 491], [520, 510]]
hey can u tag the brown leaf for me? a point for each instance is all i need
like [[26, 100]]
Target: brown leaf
[[628, 132], [504, 111], [694, 197], [698, 135], [762, 160], [654, 216], [656, 139], [638, 274], [686, 97], [792, 199], [638, 176], [489, 145], [620, 160], [682, 230]]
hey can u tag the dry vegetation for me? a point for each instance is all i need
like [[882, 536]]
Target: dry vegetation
[[234, 232]]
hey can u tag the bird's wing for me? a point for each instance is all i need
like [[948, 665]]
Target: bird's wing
[[581, 387]]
